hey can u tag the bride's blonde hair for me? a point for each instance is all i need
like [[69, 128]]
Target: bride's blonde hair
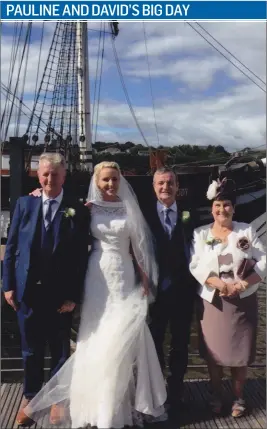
[[105, 164]]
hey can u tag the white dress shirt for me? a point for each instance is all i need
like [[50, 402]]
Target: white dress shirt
[[172, 214], [55, 206]]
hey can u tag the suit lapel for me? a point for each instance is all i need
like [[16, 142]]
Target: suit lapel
[[185, 240], [60, 222], [177, 224], [36, 206], [178, 219], [157, 222]]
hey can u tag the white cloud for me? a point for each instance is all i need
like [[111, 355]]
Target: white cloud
[[200, 98], [200, 122]]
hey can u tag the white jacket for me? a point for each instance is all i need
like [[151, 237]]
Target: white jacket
[[204, 258]]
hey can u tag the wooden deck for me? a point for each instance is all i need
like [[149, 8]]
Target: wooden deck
[[197, 414]]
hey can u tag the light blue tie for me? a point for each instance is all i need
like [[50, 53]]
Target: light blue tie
[[167, 222]]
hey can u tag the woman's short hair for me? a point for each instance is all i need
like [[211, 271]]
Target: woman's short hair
[[105, 164], [226, 197], [53, 158]]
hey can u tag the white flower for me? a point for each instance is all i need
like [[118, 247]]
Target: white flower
[[185, 216], [212, 190], [70, 212]]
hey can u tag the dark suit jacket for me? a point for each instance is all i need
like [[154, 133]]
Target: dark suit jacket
[[67, 268], [173, 255]]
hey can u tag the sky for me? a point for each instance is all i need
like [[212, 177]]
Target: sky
[[181, 89]]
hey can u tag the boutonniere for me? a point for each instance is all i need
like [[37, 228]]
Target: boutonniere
[[69, 212], [185, 217], [213, 241], [243, 244]]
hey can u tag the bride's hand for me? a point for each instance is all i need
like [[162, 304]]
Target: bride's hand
[[145, 291], [88, 204], [36, 193], [145, 287]]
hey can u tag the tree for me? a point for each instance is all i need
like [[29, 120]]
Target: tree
[[128, 145], [220, 149]]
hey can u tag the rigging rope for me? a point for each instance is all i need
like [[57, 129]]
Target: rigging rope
[[10, 74], [51, 53], [28, 32], [39, 61], [4, 120], [57, 98], [100, 81], [74, 93], [227, 50], [150, 82], [227, 58], [126, 92], [23, 80], [96, 76], [10, 96]]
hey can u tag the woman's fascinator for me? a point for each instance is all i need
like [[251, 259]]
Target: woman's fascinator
[[220, 190]]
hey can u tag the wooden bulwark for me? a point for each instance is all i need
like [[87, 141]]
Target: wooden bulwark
[[196, 415]]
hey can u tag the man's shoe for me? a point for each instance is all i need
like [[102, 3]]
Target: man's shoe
[[22, 419], [56, 414]]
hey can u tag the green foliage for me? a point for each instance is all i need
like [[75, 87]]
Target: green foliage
[[130, 159], [127, 161]]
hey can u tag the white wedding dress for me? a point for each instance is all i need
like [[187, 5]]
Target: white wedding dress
[[114, 378]]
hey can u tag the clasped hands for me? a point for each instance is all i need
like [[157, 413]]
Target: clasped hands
[[231, 290]]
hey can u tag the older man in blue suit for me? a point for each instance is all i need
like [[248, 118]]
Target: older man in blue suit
[[43, 272]]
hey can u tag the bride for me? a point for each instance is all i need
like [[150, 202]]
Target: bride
[[114, 378]]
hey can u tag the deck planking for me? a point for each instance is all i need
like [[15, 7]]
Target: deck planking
[[196, 414]]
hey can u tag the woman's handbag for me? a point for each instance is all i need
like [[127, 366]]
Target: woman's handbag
[[246, 268]]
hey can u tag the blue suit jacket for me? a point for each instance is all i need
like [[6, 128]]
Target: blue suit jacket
[[70, 253]]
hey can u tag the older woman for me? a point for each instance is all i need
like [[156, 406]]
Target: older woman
[[228, 261]]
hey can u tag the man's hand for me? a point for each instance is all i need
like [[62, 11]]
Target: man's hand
[[36, 193], [10, 297], [67, 307]]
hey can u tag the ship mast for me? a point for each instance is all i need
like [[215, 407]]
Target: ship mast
[[84, 114]]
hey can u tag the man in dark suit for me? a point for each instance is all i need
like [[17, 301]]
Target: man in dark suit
[[172, 229], [44, 268]]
